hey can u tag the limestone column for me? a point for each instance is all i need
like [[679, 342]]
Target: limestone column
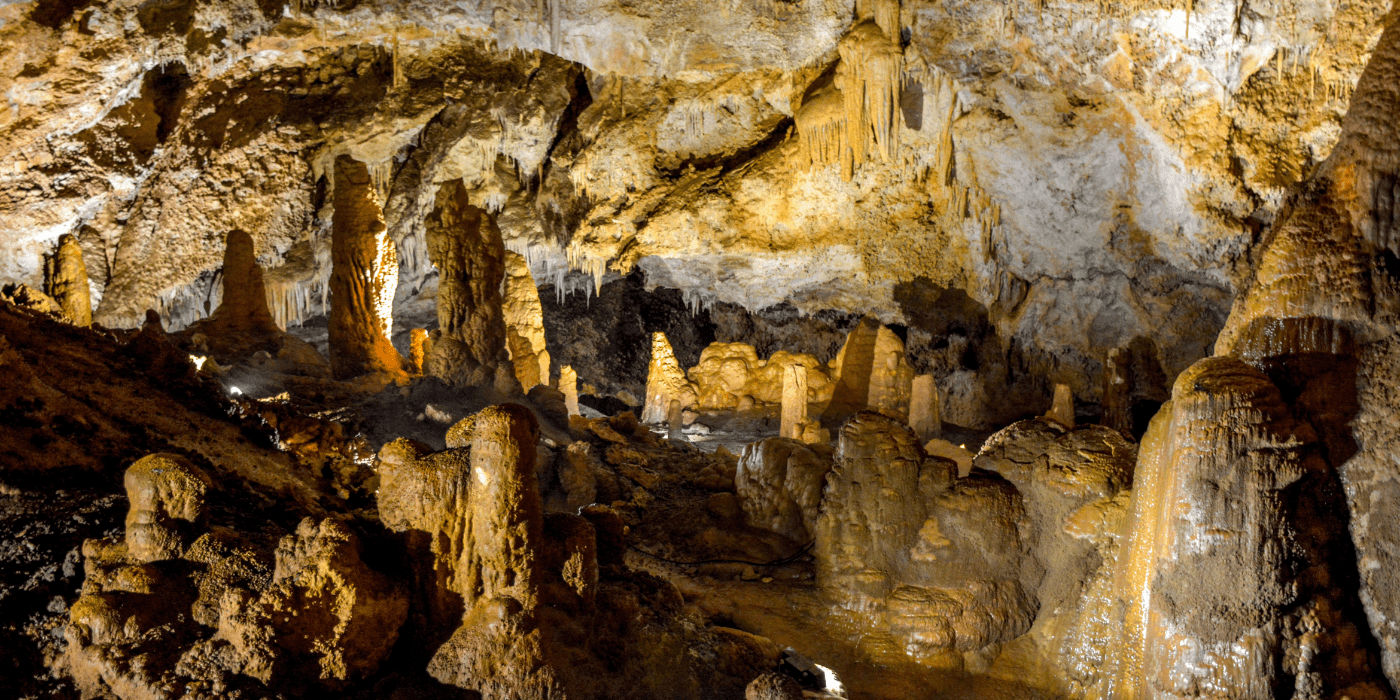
[[794, 406], [524, 319], [665, 381], [1117, 391], [68, 281], [925, 416], [466, 247], [360, 316], [568, 386], [243, 308]]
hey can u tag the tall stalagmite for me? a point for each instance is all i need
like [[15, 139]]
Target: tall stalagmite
[[243, 308], [465, 245], [925, 416], [361, 274], [794, 406], [665, 382], [67, 281], [524, 319]]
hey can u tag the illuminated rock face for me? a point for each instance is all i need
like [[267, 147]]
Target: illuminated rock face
[[365, 268]]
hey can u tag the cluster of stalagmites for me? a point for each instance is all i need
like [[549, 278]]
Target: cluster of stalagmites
[[498, 595]]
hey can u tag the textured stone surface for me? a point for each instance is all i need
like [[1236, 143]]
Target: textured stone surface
[[361, 278]]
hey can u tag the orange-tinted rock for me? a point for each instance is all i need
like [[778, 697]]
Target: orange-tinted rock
[[362, 271], [465, 246]]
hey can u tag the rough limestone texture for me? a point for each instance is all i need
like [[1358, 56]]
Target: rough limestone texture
[[780, 482], [524, 319], [326, 615], [66, 280], [1319, 316], [1064, 477], [1234, 576], [360, 321], [423, 496], [167, 495], [932, 562], [728, 373], [871, 373], [465, 245], [665, 382]]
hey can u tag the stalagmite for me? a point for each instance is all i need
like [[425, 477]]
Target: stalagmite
[[417, 349], [67, 281], [358, 316], [665, 382], [568, 386], [1062, 408], [243, 308], [465, 246], [1117, 391], [794, 407], [674, 420], [524, 319], [871, 373], [924, 414]]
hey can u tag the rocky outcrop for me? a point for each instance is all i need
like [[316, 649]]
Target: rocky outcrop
[[176, 604], [666, 382], [730, 374], [519, 589], [931, 561], [780, 483], [870, 372], [1234, 573]]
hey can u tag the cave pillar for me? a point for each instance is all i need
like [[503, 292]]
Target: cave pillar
[[665, 381], [924, 415], [794, 402], [466, 247], [524, 319], [67, 281], [364, 269]]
